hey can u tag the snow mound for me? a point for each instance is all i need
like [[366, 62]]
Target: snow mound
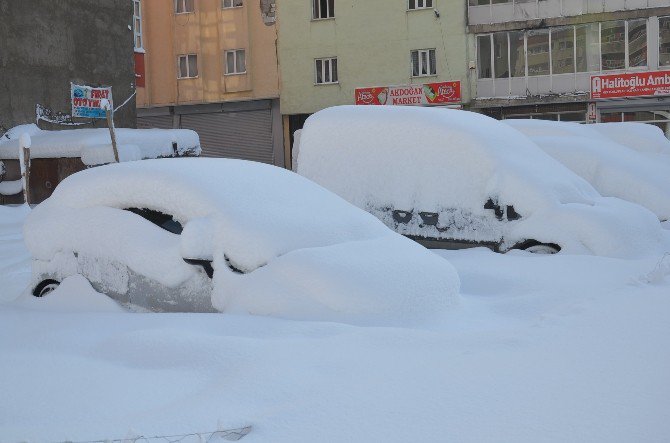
[[153, 143], [451, 162], [641, 137], [614, 169], [103, 154], [74, 294], [280, 245]]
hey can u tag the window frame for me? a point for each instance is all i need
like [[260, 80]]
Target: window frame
[[232, 2], [316, 6], [419, 52], [137, 18], [234, 52], [183, 3], [330, 69], [188, 69], [575, 71], [419, 8]]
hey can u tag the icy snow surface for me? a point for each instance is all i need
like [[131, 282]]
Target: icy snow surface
[[269, 222], [77, 142], [451, 162], [542, 348], [604, 156]]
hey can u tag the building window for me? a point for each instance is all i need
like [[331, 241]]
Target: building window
[[188, 66], [587, 47], [236, 62], [420, 4], [590, 47], [613, 45], [184, 6], [326, 70], [423, 63], [232, 3], [664, 41], [484, 56], [137, 24], [637, 43], [323, 9], [563, 50]]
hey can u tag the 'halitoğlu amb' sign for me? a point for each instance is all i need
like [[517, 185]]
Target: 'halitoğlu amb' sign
[[426, 94], [86, 101], [630, 85]]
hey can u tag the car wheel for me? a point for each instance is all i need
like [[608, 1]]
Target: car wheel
[[45, 287], [542, 249], [536, 247]]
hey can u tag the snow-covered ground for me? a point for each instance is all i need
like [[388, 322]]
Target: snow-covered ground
[[541, 348]]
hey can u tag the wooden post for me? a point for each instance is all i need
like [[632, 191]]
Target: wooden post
[[110, 123], [25, 168]]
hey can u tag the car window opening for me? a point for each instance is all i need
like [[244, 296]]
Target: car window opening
[[164, 221], [402, 216]]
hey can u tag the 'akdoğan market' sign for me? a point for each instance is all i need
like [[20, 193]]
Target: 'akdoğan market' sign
[[638, 84], [87, 101], [442, 93]]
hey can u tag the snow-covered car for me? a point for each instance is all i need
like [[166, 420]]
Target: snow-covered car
[[608, 156], [233, 236], [452, 178]]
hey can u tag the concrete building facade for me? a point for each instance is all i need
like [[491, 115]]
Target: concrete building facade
[[46, 44], [337, 52], [572, 60], [211, 66]]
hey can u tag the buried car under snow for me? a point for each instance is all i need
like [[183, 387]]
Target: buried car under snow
[[234, 236], [452, 178], [606, 155]]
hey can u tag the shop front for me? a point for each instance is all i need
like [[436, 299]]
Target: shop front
[[633, 97]]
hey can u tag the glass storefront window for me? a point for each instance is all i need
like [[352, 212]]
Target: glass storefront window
[[563, 50], [538, 52], [664, 41], [484, 56], [613, 45], [588, 47], [500, 58], [637, 43], [517, 57]]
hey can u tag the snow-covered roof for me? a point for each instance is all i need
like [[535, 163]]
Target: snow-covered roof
[[625, 160], [89, 144], [440, 160]]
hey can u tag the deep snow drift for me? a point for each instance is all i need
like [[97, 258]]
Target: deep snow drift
[[607, 156], [304, 252], [542, 348], [450, 162]]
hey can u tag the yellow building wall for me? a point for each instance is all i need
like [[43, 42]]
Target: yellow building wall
[[207, 32], [372, 40]]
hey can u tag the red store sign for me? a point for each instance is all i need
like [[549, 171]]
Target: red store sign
[[426, 94], [630, 85]]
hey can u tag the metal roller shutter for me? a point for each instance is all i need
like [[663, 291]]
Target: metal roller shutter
[[245, 134], [158, 121]]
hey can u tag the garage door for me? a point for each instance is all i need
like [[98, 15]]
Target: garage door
[[244, 134], [158, 121]]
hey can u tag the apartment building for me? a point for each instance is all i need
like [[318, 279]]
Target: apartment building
[[572, 60], [211, 66], [372, 52]]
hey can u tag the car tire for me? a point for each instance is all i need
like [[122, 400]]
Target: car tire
[[45, 287], [535, 247]]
